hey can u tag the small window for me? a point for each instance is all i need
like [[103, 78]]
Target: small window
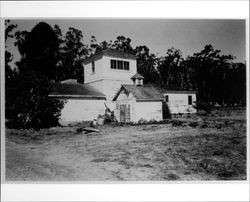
[[166, 98], [113, 64], [190, 102], [126, 65], [93, 67], [120, 66]]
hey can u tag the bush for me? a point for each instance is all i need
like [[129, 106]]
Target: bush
[[206, 106], [28, 104], [176, 123], [166, 111], [193, 124]]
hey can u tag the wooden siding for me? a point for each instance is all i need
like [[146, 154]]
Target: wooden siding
[[77, 110], [178, 103]]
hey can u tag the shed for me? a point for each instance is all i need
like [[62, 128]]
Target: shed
[[180, 101], [83, 102], [138, 102]]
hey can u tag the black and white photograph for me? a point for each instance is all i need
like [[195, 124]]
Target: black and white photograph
[[125, 99]]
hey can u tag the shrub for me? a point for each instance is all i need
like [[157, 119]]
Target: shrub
[[177, 123], [142, 121], [166, 111], [193, 124], [206, 106], [28, 104]]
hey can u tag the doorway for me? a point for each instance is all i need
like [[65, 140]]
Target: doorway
[[124, 113]]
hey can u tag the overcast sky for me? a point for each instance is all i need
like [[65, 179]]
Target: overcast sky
[[188, 35]]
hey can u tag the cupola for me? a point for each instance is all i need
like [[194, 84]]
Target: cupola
[[137, 79]]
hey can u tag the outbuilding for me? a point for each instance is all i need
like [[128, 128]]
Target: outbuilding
[[82, 101], [180, 102], [135, 102]]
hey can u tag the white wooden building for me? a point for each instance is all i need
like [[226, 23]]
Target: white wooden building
[[180, 102], [82, 102], [136, 102], [108, 70], [111, 79]]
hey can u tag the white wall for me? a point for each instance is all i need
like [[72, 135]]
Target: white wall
[[108, 80], [76, 110], [89, 76], [138, 110], [128, 100], [104, 71], [178, 103], [149, 111], [118, 74], [111, 87]]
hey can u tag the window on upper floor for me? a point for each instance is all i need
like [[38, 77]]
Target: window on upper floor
[[93, 67], [190, 102], [119, 64], [166, 98], [126, 65]]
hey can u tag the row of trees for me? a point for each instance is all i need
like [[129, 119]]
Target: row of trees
[[47, 54]]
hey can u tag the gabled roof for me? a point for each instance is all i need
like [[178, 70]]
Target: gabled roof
[[141, 93], [109, 52], [76, 90], [137, 76]]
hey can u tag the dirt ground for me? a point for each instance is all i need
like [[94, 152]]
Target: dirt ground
[[204, 147]]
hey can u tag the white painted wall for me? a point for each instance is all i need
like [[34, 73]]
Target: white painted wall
[[138, 110], [128, 100], [108, 80], [103, 70], [111, 87], [149, 111], [76, 110], [89, 76], [118, 74], [178, 103]]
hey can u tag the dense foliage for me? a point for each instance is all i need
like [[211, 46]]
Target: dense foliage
[[48, 55], [27, 101], [28, 104]]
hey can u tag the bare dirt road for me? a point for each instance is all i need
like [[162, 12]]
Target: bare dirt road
[[207, 148]]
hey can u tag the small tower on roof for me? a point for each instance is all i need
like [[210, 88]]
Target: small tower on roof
[[137, 79]]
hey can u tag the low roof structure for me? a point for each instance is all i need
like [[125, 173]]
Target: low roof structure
[[175, 91], [141, 93], [71, 89], [179, 92], [109, 52]]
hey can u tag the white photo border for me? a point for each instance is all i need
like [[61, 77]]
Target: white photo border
[[132, 191]]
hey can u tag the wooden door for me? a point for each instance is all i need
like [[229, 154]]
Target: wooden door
[[125, 113]]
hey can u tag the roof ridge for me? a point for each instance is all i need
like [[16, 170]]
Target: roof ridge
[[109, 52], [141, 92]]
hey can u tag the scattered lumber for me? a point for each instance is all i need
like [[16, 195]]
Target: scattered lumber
[[90, 129]]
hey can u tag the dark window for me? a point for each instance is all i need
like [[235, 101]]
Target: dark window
[[120, 64], [166, 98], [93, 67], [126, 65], [113, 64], [190, 100]]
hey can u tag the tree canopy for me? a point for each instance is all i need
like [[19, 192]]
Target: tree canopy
[[47, 54], [27, 101]]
